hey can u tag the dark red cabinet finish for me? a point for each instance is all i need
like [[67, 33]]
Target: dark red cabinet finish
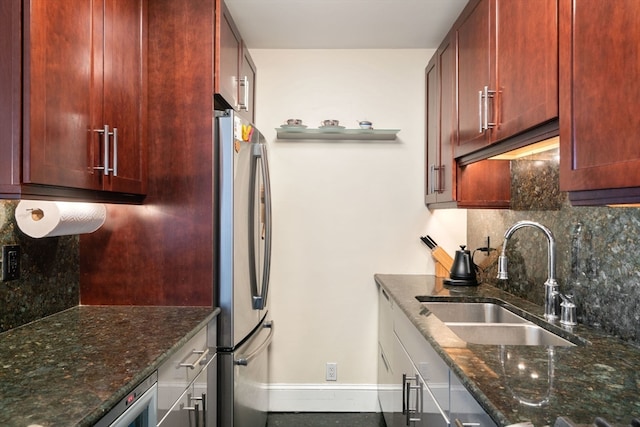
[[235, 77], [507, 70], [599, 88], [484, 184], [441, 132], [81, 68], [164, 252]]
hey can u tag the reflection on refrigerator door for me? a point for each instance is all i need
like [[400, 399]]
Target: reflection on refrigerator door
[[247, 391]]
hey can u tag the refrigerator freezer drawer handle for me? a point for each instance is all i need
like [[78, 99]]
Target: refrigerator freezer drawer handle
[[244, 361]]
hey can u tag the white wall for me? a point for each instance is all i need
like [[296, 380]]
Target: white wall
[[343, 210]]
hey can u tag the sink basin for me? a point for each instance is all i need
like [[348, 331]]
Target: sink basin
[[506, 334], [492, 324], [477, 312]]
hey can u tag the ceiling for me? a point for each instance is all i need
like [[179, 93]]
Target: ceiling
[[344, 24]]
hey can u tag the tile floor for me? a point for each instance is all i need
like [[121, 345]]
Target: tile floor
[[325, 419]]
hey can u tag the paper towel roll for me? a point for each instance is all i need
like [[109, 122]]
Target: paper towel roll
[[38, 218]]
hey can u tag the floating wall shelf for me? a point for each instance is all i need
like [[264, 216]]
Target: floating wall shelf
[[337, 134]]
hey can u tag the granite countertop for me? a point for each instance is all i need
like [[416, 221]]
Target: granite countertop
[[71, 368], [598, 379]]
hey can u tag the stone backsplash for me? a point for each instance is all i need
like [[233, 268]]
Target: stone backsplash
[[597, 255], [49, 274]]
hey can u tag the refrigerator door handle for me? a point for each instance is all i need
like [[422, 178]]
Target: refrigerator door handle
[[259, 156], [244, 361]]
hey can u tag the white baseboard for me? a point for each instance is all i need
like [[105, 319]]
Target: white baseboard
[[323, 398]]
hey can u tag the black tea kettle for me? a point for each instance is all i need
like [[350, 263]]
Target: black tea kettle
[[463, 270]]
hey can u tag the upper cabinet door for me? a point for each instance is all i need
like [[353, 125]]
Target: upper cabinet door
[[84, 97], [125, 59], [527, 65], [235, 73], [228, 48], [599, 93], [507, 72], [247, 85], [475, 39], [59, 68]]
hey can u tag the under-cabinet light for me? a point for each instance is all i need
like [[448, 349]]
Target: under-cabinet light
[[529, 150]]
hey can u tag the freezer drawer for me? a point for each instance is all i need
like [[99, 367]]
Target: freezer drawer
[[243, 396]]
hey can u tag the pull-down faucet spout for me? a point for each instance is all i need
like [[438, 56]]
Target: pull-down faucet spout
[[551, 293]]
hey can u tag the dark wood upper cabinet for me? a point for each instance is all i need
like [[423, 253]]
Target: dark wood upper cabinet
[[82, 73], [228, 47], [484, 184], [125, 93], [438, 180], [235, 77], [474, 40], [599, 93], [247, 92], [507, 71], [164, 252], [441, 131], [527, 65]]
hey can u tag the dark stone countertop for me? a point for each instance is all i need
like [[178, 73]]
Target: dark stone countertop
[[71, 368], [599, 379]]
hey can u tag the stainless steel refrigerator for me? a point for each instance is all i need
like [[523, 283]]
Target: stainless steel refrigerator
[[244, 328]]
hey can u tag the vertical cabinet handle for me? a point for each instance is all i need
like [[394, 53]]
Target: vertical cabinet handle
[[480, 113], [105, 149], [404, 394], [243, 82], [440, 187], [483, 109], [436, 180], [432, 184], [203, 401], [195, 409], [106, 134], [115, 152], [406, 399]]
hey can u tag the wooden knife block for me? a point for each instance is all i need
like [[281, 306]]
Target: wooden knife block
[[443, 262]]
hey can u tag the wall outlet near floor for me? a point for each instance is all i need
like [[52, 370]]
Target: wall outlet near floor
[[332, 371], [10, 262]]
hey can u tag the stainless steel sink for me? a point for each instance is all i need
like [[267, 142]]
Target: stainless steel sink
[[477, 312], [506, 334], [492, 324]]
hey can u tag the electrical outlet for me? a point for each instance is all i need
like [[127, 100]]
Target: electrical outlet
[[10, 262], [332, 371]]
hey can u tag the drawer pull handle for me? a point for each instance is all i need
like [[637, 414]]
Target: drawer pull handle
[[201, 355]]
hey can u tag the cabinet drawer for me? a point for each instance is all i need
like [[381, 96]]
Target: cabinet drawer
[[194, 405], [385, 323], [430, 365], [175, 375]]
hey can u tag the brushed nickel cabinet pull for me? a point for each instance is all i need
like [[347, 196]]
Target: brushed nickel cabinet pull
[[105, 149], [488, 94], [202, 354], [115, 151], [480, 115], [244, 84]]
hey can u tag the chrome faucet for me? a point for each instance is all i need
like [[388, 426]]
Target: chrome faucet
[[551, 293]]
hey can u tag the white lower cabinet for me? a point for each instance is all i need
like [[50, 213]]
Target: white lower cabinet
[[464, 409], [187, 383], [416, 388]]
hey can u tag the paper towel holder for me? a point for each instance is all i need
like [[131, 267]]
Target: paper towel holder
[[36, 214]]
